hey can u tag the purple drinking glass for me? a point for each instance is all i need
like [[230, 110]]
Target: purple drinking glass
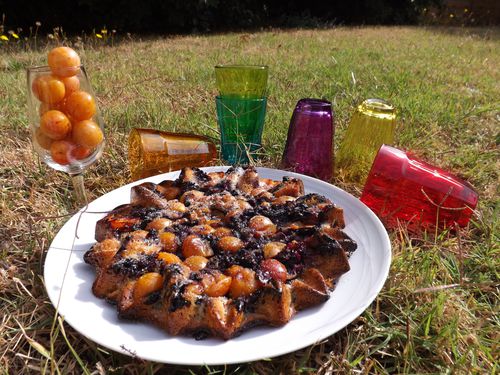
[[309, 145]]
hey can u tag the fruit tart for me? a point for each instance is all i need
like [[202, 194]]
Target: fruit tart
[[213, 254]]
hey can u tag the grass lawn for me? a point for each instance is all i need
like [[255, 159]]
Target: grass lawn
[[438, 311]]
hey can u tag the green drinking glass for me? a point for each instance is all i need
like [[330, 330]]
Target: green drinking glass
[[244, 81], [241, 122]]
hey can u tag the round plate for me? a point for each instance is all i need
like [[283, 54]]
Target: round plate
[[69, 279]]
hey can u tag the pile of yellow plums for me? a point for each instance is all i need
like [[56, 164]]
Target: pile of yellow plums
[[68, 127]]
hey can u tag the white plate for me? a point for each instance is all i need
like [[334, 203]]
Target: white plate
[[68, 281]]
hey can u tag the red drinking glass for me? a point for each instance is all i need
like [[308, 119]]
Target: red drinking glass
[[401, 188], [309, 145]]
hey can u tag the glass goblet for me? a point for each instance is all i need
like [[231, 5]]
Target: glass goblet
[[66, 125]]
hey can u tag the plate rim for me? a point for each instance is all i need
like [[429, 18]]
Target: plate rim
[[341, 323]]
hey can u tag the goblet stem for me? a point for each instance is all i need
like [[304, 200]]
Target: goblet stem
[[81, 195]]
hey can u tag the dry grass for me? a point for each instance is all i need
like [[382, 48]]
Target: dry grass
[[438, 312]]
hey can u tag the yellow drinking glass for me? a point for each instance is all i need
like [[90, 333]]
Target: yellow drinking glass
[[372, 125]]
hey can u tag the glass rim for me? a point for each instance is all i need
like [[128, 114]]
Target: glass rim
[[378, 103], [44, 68], [141, 131], [384, 150], [377, 107], [315, 102], [240, 99], [242, 66]]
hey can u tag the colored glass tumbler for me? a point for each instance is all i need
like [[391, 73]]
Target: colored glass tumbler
[[241, 122], [372, 125], [309, 144], [244, 81], [401, 188], [151, 152]]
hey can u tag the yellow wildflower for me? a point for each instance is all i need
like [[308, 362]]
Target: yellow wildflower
[[99, 36], [104, 31], [4, 37], [15, 35]]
